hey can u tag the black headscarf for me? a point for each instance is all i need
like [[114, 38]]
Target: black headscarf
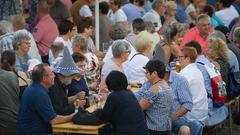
[[116, 80]]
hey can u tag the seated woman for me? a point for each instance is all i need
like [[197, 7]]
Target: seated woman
[[134, 67], [218, 55], [80, 45], [156, 98], [195, 79], [21, 44], [120, 50], [121, 108], [8, 60]]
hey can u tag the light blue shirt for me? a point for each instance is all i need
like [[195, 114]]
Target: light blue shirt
[[215, 115], [234, 65], [132, 12], [22, 65], [206, 77], [181, 15], [181, 90]]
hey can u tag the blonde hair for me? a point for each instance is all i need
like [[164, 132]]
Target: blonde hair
[[219, 47], [143, 42], [171, 5]]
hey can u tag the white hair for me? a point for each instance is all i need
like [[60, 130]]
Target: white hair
[[5, 27]]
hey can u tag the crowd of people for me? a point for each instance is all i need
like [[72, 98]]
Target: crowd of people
[[51, 67]]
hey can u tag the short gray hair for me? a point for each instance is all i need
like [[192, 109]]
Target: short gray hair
[[118, 31], [119, 47], [17, 21], [158, 3], [218, 34], [236, 35], [149, 26], [202, 17], [19, 37], [5, 27], [81, 41]]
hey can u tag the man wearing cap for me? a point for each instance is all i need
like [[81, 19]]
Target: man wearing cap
[[36, 113], [65, 70]]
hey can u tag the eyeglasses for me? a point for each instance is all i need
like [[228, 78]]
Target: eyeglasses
[[127, 52], [179, 57], [26, 42]]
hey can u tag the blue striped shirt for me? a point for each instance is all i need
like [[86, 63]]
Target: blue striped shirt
[[6, 42], [182, 95]]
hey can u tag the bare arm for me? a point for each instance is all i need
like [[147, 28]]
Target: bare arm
[[144, 104], [182, 111], [62, 119]]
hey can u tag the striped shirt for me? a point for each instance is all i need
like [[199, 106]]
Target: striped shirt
[[6, 42], [181, 89]]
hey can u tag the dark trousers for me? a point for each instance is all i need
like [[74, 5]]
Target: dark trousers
[[152, 132]]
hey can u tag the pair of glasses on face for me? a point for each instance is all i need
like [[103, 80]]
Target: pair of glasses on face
[[128, 52], [180, 57]]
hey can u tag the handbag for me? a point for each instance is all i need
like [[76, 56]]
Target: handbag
[[23, 80], [233, 85], [84, 117]]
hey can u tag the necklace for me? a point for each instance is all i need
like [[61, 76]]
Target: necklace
[[157, 82]]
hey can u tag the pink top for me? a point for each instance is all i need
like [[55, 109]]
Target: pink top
[[193, 34], [44, 33]]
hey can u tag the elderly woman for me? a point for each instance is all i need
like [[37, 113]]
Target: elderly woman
[[118, 31], [80, 45], [134, 67], [217, 53], [120, 50], [120, 100], [8, 60], [195, 79], [21, 43], [156, 98]]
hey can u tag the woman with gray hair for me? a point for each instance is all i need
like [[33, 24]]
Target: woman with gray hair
[[21, 44], [120, 50], [80, 45]]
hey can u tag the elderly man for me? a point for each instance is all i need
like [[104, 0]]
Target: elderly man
[[158, 9], [9, 101], [200, 32], [65, 70], [36, 112], [45, 31]]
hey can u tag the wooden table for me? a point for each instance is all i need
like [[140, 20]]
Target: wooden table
[[70, 127], [134, 89]]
